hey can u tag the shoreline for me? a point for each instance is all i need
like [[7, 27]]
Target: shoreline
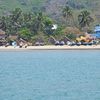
[[50, 47]]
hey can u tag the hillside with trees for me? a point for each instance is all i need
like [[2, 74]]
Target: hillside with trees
[[34, 20], [52, 7]]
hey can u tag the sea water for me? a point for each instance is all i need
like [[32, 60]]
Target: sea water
[[50, 75]]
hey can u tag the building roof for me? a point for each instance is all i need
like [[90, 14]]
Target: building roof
[[13, 37], [2, 32]]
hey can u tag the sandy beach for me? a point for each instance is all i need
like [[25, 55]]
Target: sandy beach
[[50, 47]]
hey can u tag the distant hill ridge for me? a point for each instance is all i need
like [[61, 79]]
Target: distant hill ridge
[[52, 7]]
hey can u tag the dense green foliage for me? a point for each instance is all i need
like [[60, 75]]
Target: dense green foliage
[[25, 5], [32, 19], [25, 34], [36, 25]]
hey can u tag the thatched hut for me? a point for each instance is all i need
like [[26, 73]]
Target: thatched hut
[[13, 37], [2, 37], [52, 40], [2, 34]]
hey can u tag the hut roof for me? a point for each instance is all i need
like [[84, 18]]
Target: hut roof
[[13, 37], [3, 40], [2, 32]]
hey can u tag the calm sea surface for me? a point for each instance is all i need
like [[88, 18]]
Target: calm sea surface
[[50, 75]]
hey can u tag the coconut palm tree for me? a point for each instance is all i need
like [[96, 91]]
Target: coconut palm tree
[[68, 15], [16, 14], [38, 22], [14, 21], [85, 19]]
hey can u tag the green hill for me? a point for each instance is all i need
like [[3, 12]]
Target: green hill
[[51, 7], [29, 4], [54, 7], [26, 5]]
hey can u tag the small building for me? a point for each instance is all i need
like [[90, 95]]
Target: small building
[[97, 29], [97, 32]]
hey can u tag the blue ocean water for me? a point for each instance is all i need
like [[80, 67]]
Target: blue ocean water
[[50, 75]]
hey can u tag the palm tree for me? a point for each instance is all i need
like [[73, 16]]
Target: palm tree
[[68, 15], [15, 21], [16, 14], [85, 19], [38, 22]]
